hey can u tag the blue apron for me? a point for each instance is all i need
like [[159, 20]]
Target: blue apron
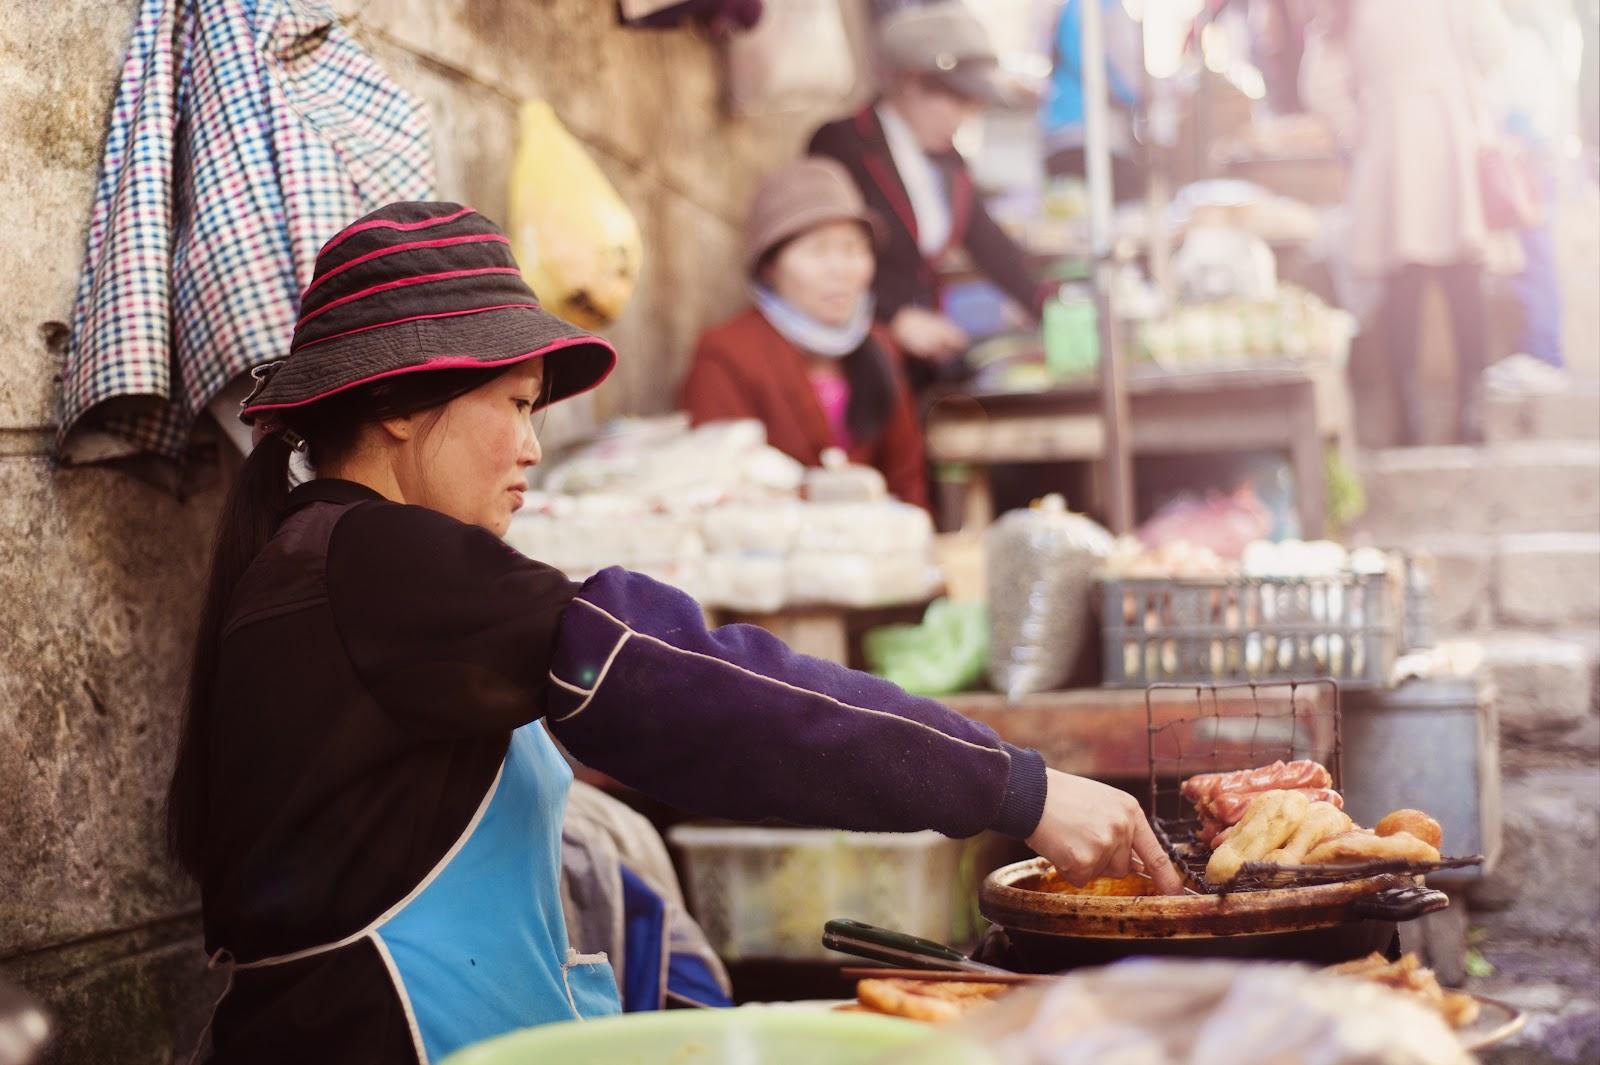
[[479, 947]]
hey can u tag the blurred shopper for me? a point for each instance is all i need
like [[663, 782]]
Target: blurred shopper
[[1063, 113], [807, 359], [1402, 84], [901, 153], [1535, 103], [1588, 13]]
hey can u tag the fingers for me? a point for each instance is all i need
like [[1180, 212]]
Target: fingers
[[1156, 862], [1102, 853]]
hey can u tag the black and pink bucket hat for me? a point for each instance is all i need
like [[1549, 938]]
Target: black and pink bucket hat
[[419, 286]]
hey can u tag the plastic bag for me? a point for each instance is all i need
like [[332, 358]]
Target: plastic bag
[[1224, 524], [1041, 563], [943, 655], [578, 243], [1167, 1012]]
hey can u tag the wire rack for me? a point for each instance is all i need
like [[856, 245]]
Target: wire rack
[[1217, 728]]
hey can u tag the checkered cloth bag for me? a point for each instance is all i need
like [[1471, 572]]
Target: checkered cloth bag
[[245, 134]]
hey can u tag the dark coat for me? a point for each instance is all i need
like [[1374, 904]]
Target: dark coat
[[744, 368], [905, 277]]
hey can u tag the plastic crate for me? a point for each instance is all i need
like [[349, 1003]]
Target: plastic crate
[[766, 892], [1420, 573], [1202, 631]]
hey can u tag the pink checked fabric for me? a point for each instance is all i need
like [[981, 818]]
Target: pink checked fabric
[[245, 134]]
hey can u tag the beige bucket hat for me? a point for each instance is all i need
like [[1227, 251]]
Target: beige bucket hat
[[799, 197]]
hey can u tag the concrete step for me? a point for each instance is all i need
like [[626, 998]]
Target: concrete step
[[1463, 582], [1538, 915], [1544, 685], [1545, 876], [1547, 579], [1534, 581], [1569, 415], [1510, 488]]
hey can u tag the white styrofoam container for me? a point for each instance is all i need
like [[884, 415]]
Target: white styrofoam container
[[765, 892]]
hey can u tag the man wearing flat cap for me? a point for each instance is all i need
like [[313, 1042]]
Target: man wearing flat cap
[[900, 151]]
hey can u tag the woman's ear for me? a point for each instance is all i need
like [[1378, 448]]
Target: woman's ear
[[399, 429]]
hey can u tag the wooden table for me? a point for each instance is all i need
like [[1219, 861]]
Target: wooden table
[[1294, 408]]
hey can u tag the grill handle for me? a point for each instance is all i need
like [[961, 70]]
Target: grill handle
[[1403, 902], [896, 948]]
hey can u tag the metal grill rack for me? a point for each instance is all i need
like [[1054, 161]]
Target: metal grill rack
[[1210, 728]]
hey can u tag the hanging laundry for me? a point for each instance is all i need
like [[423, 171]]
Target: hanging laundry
[[244, 134]]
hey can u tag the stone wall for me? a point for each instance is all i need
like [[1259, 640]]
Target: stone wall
[[99, 571]]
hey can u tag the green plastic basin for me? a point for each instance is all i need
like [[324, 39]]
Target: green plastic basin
[[709, 1037]]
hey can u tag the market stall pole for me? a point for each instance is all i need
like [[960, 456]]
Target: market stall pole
[[1300, 410], [1114, 409]]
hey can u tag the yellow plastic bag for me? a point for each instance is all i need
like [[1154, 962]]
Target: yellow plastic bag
[[577, 241]]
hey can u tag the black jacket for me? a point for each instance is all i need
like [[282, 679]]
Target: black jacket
[[905, 277]]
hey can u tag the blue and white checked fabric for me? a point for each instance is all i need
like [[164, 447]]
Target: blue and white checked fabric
[[244, 135]]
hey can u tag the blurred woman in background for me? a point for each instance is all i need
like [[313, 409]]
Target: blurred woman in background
[[1402, 85], [807, 359]]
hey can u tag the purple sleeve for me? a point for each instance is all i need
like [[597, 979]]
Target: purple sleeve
[[731, 722]]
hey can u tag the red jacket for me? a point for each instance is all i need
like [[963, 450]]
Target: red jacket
[[744, 368]]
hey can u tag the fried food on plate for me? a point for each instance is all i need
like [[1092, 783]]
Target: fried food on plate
[[926, 1000], [1363, 845], [1415, 822], [1407, 975], [1267, 825]]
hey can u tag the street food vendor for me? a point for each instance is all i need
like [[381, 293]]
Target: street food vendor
[[901, 153], [807, 359], [368, 788]]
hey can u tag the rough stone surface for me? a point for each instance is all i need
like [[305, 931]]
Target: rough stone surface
[[1548, 579], [100, 574], [1462, 577], [1544, 685], [1558, 986], [147, 991], [1545, 885], [1514, 488], [58, 69], [1567, 415], [1538, 917]]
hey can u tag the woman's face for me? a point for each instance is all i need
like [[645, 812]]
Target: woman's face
[[934, 113], [471, 461], [825, 271]]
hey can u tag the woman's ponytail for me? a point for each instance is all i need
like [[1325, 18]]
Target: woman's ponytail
[[254, 506]]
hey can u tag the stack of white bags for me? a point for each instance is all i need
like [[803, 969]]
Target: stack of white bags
[[733, 522]]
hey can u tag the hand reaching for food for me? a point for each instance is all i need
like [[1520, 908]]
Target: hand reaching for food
[[1091, 830], [925, 334]]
